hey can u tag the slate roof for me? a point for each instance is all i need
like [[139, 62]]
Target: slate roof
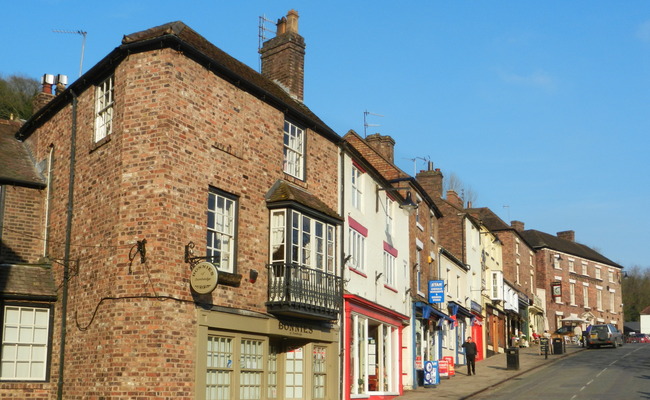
[[16, 165], [540, 240], [27, 282], [283, 191], [182, 38], [492, 221], [489, 219]]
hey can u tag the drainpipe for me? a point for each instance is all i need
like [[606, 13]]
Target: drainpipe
[[66, 257], [46, 233], [342, 257]]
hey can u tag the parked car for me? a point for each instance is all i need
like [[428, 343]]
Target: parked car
[[638, 338], [604, 335]]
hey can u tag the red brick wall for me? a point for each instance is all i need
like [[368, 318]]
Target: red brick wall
[[22, 225], [178, 130]]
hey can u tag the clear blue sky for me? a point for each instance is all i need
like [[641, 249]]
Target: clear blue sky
[[541, 107]]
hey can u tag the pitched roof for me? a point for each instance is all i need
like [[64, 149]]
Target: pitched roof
[[540, 240], [283, 192], [645, 311], [489, 219], [182, 38], [27, 281], [492, 221], [16, 164]]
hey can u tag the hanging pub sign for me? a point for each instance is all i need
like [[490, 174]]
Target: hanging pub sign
[[436, 292], [556, 289], [204, 277]]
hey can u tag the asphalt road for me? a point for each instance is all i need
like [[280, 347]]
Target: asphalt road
[[620, 374]]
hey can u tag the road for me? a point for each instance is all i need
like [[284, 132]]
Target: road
[[607, 373]]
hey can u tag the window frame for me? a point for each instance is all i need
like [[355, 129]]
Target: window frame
[[45, 376], [389, 263], [356, 185], [299, 253], [211, 250], [357, 249], [236, 371], [294, 150], [104, 108]]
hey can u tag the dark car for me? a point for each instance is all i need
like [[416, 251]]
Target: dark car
[[604, 335]]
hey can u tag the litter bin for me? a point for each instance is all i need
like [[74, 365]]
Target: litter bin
[[512, 357], [558, 346]]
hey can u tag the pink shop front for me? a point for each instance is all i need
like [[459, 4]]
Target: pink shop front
[[372, 350]]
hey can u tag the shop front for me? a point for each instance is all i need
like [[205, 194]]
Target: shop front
[[426, 341], [373, 349], [243, 354]]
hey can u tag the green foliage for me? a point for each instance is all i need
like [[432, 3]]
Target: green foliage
[[16, 96], [636, 292]]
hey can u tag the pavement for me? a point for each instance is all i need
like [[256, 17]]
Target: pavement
[[490, 372]]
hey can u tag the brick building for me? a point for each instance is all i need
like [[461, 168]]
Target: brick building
[[461, 267], [519, 271], [184, 217], [581, 286]]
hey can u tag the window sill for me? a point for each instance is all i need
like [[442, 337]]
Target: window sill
[[392, 289], [100, 143], [358, 272]]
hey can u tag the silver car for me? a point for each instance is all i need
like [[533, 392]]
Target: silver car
[[604, 335]]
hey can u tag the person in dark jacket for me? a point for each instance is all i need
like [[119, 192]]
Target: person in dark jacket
[[470, 354]]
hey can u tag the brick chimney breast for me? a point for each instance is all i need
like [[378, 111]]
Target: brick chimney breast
[[384, 145], [567, 235], [431, 182], [454, 198], [283, 57]]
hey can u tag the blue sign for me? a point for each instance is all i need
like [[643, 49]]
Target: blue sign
[[436, 292], [431, 376]]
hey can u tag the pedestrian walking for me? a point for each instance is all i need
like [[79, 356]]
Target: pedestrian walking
[[470, 354]]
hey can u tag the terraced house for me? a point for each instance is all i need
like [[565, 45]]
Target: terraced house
[[183, 230]]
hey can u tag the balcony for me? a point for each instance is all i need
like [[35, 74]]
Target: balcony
[[301, 292]]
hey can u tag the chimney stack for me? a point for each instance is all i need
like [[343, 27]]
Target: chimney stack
[[384, 145], [567, 235], [61, 82], [454, 199], [517, 225], [431, 181], [45, 95], [283, 57]]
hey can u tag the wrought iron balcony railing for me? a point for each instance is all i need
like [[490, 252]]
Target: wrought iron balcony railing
[[303, 292]]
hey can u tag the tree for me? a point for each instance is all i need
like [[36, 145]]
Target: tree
[[636, 292], [16, 96], [465, 192]]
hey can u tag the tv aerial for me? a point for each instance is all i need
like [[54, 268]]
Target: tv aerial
[[83, 43]]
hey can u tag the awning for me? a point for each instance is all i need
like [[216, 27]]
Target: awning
[[574, 318], [458, 309], [427, 310]]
